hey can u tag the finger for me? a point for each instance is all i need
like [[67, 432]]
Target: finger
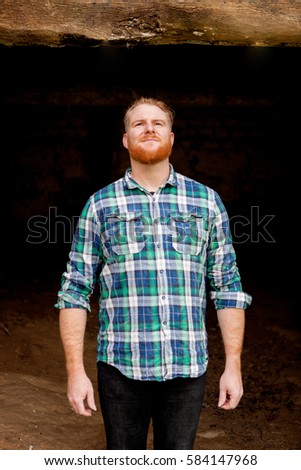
[[230, 403], [83, 411], [222, 399], [226, 406], [79, 408], [91, 402]]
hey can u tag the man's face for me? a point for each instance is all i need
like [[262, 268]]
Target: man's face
[[148, 138]]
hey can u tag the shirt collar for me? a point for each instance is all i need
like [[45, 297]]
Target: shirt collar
[[131, 184]]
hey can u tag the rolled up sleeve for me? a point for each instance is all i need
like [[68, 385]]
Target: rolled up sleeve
[[222, 271], [79, 279]]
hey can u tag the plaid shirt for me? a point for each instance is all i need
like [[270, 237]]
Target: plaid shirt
[[151, 255]]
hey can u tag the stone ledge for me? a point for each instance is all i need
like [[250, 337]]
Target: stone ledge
[[81, 22]]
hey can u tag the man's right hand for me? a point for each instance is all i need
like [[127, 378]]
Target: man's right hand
[[80, 394]]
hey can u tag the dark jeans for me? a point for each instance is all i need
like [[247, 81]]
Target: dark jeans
[[129, 405]]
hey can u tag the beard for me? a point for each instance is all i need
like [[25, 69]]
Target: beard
[[149, 156]]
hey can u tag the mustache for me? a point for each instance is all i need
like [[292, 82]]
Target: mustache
[[150, 137]]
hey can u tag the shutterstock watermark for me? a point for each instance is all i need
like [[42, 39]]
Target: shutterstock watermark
[[57, 228], [51, 228], [252, 229]]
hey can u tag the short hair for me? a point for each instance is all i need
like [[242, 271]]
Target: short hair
[[170, 113]]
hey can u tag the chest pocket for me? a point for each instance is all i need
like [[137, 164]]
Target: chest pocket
[[188, 232], [123, 234]]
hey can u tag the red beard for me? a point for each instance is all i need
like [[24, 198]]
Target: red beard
[[149, 156]]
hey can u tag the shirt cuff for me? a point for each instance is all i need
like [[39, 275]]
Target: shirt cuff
[[68, 301], [231, 300]]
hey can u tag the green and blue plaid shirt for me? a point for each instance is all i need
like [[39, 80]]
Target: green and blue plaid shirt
[[151, 255]]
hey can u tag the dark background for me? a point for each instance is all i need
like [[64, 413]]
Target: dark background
[[60, 140], [238, 130]]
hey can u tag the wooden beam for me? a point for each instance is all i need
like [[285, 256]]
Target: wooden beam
[[126, 23]]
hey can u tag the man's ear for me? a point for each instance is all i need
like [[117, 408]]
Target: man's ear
[[172, 138], [125, 140]]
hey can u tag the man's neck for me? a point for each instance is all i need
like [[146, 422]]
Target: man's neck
[[150, 177]]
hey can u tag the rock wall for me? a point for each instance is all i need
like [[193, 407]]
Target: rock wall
[[99, 22]]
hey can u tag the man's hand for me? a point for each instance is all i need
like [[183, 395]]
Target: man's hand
[[230, 390], [81, 394]]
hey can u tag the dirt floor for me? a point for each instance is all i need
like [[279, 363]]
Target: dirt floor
[[35, 413]]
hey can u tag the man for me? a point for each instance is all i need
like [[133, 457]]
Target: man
[[152, 240]]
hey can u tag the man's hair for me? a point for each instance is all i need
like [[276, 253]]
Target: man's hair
[[170, 113]]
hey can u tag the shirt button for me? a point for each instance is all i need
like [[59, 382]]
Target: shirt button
[[158, 246], [161, 271], [165, 322], [163, 297]]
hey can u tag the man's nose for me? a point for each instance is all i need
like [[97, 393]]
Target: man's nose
[[149, 127]]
